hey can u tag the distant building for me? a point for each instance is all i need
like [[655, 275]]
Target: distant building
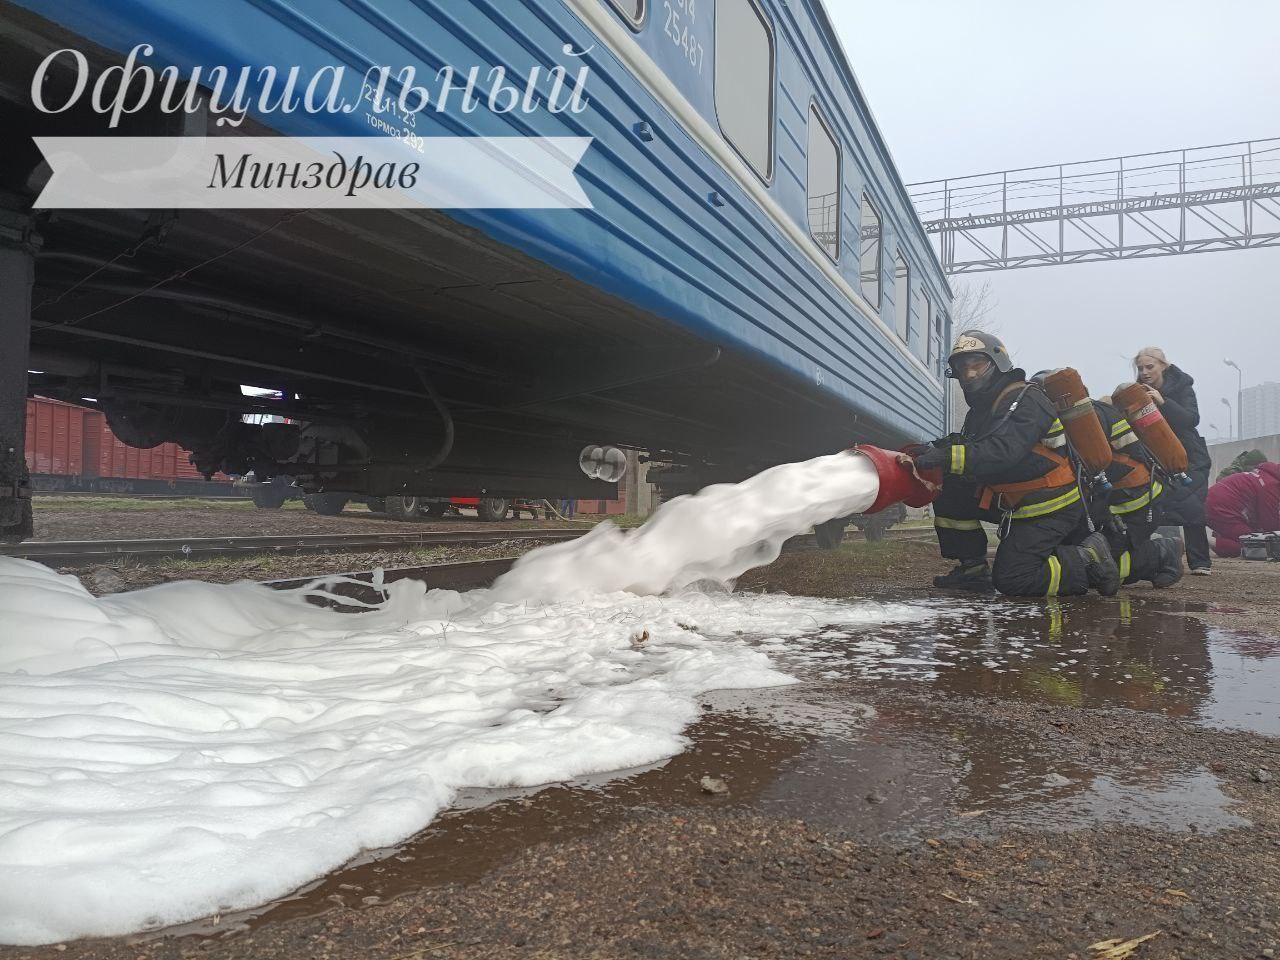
[[1260, 410]]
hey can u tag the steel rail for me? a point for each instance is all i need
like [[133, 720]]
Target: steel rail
[[83, 552], [106, 495], [72, 553]]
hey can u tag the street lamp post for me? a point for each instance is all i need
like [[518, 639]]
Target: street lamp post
[[1217, 434], [1239, 398], [1227, 403]]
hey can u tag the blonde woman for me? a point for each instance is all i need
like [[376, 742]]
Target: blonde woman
[[1173, 391]]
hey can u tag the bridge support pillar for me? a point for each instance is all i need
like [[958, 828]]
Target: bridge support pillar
[[18, 246]]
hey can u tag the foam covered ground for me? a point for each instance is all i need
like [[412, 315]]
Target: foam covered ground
[[196, 748]]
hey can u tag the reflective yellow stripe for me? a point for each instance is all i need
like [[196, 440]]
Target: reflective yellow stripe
[[1055, 437], [1055, 576], [1048, 506], [1126, 565], [1131, 505], [1120, 426], [946, 523], [1124, 440], [1056, 619], [957, 458]]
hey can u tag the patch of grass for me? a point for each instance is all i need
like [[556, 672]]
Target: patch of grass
[[854, 568]]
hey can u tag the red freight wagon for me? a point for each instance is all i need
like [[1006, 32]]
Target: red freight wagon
[[55, 437], [70, 447], [606, 508]]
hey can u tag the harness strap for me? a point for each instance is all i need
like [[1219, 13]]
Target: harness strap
[[1138, 475], [1060, 475]]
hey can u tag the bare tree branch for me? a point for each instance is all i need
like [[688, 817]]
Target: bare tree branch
[[972, 306]]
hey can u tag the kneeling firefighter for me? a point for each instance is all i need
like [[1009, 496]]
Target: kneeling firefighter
[[1008, 466], [1128, 510]]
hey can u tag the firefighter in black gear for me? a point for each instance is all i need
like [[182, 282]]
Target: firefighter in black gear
[[1129, 512], [1009, 466]]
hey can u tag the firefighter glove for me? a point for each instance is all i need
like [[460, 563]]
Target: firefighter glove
[[933, 456]]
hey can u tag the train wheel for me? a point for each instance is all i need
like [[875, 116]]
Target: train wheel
[[326, 504], [493, 509], [830, 534], [269, 496], [875, 532], [404, 508]]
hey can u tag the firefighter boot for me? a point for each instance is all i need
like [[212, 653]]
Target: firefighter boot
[[1169, 563], [1100, 566], [973, 575]]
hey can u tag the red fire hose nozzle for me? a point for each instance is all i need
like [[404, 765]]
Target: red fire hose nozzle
[[900, 480]]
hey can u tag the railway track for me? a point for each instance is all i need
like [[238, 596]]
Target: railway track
[[73, 553], [107, 495], [69, 553]]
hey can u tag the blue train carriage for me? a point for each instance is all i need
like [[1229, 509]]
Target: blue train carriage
[[751, 285]]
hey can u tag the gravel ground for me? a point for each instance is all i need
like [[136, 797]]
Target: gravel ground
[[702, 876]]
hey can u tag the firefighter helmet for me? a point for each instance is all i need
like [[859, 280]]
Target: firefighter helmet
[[986, 344], [972, 344]]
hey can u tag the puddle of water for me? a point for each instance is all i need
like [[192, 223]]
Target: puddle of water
[[927, 772], [1141, 654], [1246, 687]]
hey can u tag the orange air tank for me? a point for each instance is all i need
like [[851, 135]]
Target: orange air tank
[[1079, 419], [1151, 427]]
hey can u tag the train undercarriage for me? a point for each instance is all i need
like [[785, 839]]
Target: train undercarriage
[[410, 353]]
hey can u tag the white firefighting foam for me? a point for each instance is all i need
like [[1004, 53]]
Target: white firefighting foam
[[717, 534], [193, 748]]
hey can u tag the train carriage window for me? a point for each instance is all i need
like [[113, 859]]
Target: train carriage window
[[870, 265], [926, 322], [939, 333], [633, 10], [744, 81], [824, 185], [902, 297]]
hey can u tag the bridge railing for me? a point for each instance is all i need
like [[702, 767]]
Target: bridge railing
[[1220, 197]]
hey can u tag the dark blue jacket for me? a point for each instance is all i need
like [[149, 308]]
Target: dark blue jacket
[[1184, 506]]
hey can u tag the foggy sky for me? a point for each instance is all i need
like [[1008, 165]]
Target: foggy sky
[[966, 88]]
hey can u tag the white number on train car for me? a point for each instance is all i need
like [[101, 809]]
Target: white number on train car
[[681, 30]]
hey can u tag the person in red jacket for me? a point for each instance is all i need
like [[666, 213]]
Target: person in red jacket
[[1243, 503]]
